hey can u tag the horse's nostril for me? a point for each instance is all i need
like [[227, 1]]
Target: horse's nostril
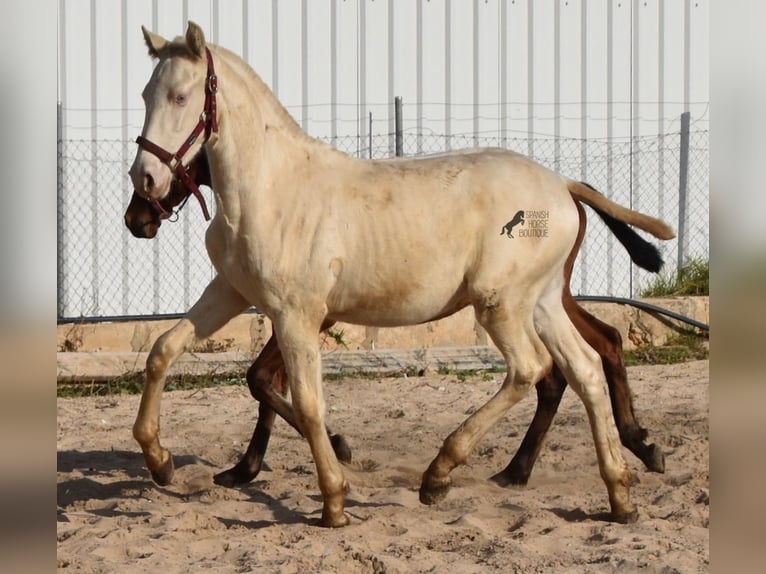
[[148, 182]]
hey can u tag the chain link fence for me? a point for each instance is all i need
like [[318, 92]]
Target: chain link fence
[[106, 274]]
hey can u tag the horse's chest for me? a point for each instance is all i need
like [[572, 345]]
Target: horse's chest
[[261, 272], [235, 258]]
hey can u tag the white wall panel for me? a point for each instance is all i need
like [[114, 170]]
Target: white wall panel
[[650, 72], [573, 82]]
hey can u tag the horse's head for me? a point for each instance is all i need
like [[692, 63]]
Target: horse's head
[[143, 218], [180, 106]]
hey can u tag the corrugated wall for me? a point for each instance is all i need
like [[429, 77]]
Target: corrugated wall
[[556, 79]]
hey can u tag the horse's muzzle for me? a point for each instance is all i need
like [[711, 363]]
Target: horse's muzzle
[[150, 177]]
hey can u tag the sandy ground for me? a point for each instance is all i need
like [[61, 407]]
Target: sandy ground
[[113, 518]]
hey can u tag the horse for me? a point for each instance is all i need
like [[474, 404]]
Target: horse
[[310, 235], [268, 383]]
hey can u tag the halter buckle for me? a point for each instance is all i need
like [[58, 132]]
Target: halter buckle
[[212, 84]]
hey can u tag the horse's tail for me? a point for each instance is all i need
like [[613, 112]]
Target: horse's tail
[[641, 252], [606, 207]]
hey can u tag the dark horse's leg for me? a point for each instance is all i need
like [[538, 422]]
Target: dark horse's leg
[[267, 380], [549, 392], [266, 372]]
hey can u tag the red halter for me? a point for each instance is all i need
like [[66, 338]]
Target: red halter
[[208, 123]]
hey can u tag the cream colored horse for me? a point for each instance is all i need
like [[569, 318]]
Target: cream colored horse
[[308, 234]]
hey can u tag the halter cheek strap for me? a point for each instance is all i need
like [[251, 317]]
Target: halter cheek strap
[[208, 123]]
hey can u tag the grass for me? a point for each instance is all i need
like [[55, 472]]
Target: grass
[[338, 335], [691, 279], [686, 346], [134, 384]]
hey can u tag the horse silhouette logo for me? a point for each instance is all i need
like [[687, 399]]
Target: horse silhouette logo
[[508, 227]]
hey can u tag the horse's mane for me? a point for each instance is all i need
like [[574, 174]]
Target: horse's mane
[[263, 92]]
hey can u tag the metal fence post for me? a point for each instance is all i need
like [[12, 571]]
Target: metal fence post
[[61, 289], [370, 333], [398, 126], [683, 191]]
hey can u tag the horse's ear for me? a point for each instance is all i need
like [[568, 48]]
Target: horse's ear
[[154, 42], [195, 39]]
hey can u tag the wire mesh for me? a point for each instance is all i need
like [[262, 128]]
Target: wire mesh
[[105, 272]]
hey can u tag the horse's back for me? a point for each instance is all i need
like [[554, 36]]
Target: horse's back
[[419, 235]]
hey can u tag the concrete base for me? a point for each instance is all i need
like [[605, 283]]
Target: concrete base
[[248, 333]]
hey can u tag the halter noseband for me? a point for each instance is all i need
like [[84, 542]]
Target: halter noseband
[[208, 122]]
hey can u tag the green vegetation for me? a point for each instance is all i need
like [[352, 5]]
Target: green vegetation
[[692, 279], [686, 346], [134, 384], [338, 335]]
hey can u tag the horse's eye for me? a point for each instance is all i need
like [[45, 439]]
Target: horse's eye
[[180, 99]]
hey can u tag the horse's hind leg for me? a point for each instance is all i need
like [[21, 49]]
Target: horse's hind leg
[[549, 392], [582, 367], [527, 361], [607, 342]]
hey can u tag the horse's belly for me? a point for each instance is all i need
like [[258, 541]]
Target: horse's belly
[[398, 308]]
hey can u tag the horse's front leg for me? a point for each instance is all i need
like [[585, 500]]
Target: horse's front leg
[[298, 340], [218, 304]]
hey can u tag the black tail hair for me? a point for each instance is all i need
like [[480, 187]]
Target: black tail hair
[[641, 252]]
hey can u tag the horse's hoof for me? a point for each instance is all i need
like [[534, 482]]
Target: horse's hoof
[[431, 494], [164, 474], [234, 477], [504, 479], [625, 517], [335, 521], [655, 460], [341, 448]]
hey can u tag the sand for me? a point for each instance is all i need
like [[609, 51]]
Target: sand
[[113, 518]]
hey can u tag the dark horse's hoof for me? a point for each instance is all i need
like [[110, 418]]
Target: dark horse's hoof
[[164, 475], [655, 459], [235, 476], [341, 448], [504, 478]]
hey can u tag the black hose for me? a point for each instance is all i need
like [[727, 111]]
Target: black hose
[[595, 298], [644, 306]]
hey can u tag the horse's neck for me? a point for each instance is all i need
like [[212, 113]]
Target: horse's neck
[[258, 126], [271, 109]]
